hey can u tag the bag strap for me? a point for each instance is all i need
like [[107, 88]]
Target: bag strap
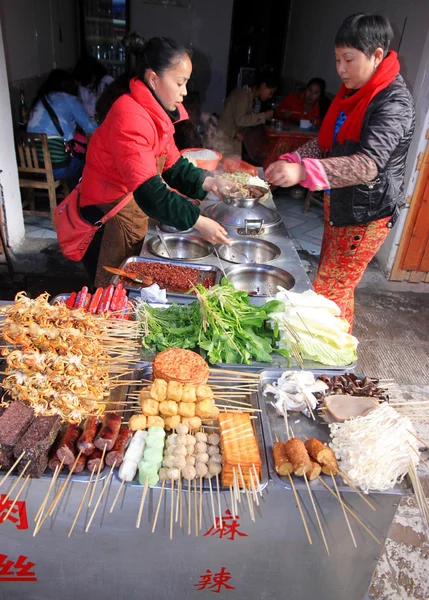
[[53, 116], [111, 212]]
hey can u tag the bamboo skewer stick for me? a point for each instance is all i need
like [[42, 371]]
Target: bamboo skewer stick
[[258, 483], [97, 476], [189, 507], [252, 483], [196, 507], [231, 499], [103, 489], [317, 514], [201, 504], [179, 488], [347, 480], [300, 509], [18, 479], [344, 510], [219, 506], [285, 416], [53, 480], [16, 497], [238, 373], [12, 468], [172, 509], [236, 487], [158, 506], [250, 504], [349, 510], [87, 488], [212, 502], [145, 489]]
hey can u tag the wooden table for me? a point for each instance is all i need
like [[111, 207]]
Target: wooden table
[[287, 139]]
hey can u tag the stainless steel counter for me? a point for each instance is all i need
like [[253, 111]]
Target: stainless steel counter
[[288, 260]]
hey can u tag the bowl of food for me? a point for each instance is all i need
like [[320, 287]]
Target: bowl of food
[[202, 157]]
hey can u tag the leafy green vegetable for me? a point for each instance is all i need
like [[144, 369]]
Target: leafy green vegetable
[[177, 326]]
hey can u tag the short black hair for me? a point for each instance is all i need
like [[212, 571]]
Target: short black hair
[[268, 76], [365, 32], [58, 80], [157, 53]]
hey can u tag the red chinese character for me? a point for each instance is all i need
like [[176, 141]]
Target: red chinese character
[[215, 582], [5, 573], [227, 529], [18, 514], [23, 571]]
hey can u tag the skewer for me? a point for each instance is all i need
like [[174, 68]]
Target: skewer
[[356, 518], [300, 508], [250, 503], [316, 513], [53, 480], [87, 488], [252, 483], [172, 509], [179, 487], [196, 507], [158, 506], [232, 401], [16, 497], [97, 476], [214, 371], [285, 419], [243, 484], [103, 489], [231, 498], [189, 506], [12, 468], [139, 516], [347, 480], [236, 488], [420, 457], [18, 479], [238, 409], [258, 483], [219, 506], [201, 504], [344, 510], [212, 502]]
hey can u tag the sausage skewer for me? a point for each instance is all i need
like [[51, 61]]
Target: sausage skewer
[[317, 514], [85, 442]]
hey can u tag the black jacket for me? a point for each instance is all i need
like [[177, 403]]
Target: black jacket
[[387, 129]]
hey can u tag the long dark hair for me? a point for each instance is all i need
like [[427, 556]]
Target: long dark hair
[[324, 101], [57, 81], [157, 53], [110, 94], [89, 71]]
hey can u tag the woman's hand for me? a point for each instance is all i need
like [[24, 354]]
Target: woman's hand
[[285, 174], [211, 231], [218, 186]]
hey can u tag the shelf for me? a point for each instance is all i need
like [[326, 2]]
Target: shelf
[[106, 20]]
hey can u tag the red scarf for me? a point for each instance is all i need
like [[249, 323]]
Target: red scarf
[[356, 105]]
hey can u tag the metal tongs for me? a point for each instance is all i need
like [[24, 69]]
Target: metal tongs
[[163, 241]]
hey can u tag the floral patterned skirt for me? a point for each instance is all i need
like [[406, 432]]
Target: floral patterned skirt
[[344, 256]]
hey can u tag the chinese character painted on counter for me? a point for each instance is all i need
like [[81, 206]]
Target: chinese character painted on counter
[[214, 582], [228, 529], [19, 570], [18, 514]]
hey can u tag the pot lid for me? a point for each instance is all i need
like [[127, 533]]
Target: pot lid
[[232, 216]]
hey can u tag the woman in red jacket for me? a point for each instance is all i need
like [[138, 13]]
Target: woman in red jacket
[[130, 151]]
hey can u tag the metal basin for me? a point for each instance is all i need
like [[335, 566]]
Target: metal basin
[[249, 251], [170, 229], [181, 247], [260, 280]]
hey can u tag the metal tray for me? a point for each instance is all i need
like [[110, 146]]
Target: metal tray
[[181, 247], [274, 426], [145, 372], [135, 287], [259, 280]]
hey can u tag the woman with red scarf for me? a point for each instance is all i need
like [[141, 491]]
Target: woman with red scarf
[[358, 158]]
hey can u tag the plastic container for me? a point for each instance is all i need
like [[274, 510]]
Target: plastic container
[[211, 164]]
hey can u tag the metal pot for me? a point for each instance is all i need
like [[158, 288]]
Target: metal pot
[[244, 251], [169, 229], [181, 247], [239, 201], [260, 280]]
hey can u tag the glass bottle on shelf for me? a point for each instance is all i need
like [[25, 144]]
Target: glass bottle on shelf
[[24, 113]]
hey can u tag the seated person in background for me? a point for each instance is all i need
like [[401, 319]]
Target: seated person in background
[[242, 111], [92, 78], [57, 111], [309, 103], [113, 91]]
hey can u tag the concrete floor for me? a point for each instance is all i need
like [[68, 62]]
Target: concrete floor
[[391, 323]]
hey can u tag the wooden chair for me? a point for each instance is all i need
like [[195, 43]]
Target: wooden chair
[[36, 172]]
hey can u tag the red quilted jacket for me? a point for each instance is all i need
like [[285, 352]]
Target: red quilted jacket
[[124, 150]]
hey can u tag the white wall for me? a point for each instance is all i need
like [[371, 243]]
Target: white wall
[[203, 24], [11, 211]]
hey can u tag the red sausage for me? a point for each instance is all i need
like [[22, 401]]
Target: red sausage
[[67, 446], [94, 461], [109, 431], [80, 465], [78, 297], [114, 305], [117, 453], [86, 441], [105, 300], [95, 300], [86, 302], [83, 294], [71, 300], [54, 463]]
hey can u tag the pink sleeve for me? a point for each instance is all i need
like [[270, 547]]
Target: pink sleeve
[[316, 178], [292, 157]]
